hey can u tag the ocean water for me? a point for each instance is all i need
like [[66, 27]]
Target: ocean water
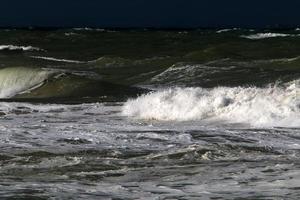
[[149, 114]]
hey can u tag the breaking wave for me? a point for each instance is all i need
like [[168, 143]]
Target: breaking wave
[[269, 106], [19, 48], [49, 85], [16, 80]]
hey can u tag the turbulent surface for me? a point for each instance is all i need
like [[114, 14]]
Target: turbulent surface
[[149, 114]]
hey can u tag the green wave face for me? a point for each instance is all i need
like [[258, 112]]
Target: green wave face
[[17, 80], [22, 83]]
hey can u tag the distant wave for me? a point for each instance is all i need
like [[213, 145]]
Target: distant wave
[[19, 48], [227, 30], [57, 59], [270, 106], [71, 34], [94, 29], [83, 29], [259, 36], [90, 29]]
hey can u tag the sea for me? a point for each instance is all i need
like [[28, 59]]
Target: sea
[[89, 113]]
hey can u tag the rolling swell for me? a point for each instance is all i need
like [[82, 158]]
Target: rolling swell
[[49, 85], [228, 72]]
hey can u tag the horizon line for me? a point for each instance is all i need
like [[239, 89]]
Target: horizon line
[[149, 27]]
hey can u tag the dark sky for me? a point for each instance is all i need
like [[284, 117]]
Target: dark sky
[[150, 13]]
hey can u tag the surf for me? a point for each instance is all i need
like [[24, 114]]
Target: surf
[[267, 106]]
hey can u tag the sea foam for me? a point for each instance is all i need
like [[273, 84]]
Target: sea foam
[[270, 106]]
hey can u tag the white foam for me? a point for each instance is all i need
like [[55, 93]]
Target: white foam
[[259, 36], [272, 106], [57, 59], [22, 48], [19, 79]]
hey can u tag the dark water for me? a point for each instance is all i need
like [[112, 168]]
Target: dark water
[[149, 114]]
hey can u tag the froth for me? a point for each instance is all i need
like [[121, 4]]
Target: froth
[[271, 106]]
